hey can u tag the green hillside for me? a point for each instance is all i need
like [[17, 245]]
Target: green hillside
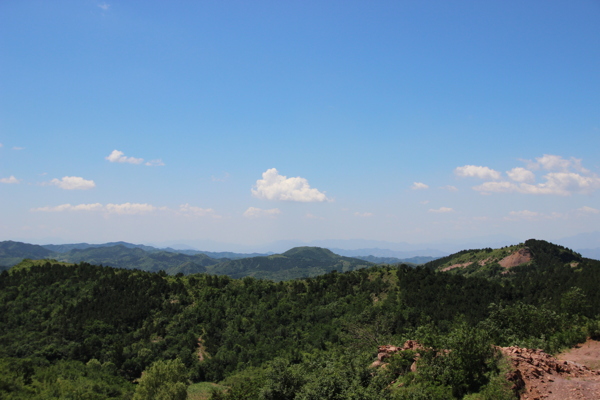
[[120, 256], [89, 332], [496, 262], [12, 253], [299, 262]]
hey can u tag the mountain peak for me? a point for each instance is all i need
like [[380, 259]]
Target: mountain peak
[[308, 252]]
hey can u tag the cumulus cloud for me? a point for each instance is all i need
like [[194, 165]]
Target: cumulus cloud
[[363, 215], [519, 174], [197, 211], [73, 183], [565, 178], [104, 6], [119, 157], [475, 171], [273, 186], [18, 148], [253, 212], [419, 186], [556, 183], [441, 210], [10, 179]]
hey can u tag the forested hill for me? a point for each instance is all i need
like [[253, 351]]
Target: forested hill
[[295, 263], [84, 331], [496, 262], [12, 253], [299, 262], [124, 257]]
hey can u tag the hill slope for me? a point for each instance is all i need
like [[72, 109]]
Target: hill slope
[[120, 256], [299, 262], [12, 253], [494, 262]]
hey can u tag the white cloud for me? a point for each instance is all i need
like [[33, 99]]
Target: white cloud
[[419, 186], [155, 163], [450, 188], [197, 211], [363, 215], [496, 187], [253, 212], [69, 207], [73, 183], [104, 6], [588, 210], [119, 156], [1, 145], [475, 171], [273, 186], [571, 178], [18, 148], [131, 208], [424, 202], [552, 162], [521, 175], [441, 210], [10, 179], [312, 216]]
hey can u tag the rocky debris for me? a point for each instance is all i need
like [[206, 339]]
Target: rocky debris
[[519, 257], [387, 351], [534, 373]]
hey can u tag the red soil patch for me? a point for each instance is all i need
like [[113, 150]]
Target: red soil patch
[[517, 258], [541, 376], [587, 354]]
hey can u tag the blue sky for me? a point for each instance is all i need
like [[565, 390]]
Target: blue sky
[[248, 122]]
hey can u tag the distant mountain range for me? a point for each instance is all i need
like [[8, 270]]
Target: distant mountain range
[[295, 263]]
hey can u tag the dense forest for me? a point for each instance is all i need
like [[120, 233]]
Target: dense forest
[[89, 332]]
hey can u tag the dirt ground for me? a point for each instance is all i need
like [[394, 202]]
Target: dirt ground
[[573, 382]]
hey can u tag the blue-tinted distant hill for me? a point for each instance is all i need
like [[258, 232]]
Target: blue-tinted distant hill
[[299, 262], [12, 253], [120, 256], [65, 248]]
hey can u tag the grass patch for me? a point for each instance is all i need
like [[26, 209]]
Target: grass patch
[[202, 390]]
